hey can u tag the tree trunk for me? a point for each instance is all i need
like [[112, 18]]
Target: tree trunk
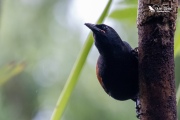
[[156, 27]]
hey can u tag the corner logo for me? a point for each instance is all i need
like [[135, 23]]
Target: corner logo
[[160, 8], [151, 9]]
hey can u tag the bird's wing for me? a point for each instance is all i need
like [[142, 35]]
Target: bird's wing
[[100, 79]]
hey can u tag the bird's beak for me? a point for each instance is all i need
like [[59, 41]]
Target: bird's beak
[[94, 28]]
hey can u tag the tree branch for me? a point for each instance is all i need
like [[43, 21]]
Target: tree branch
[[156, 27]]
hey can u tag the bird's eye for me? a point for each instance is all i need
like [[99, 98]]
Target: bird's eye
[[104, 27]]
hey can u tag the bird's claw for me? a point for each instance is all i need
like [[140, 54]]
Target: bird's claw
[[138, 108]]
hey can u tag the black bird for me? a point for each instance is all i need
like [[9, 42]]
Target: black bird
[[117, 65]]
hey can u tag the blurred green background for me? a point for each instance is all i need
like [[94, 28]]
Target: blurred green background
[[40, 41]]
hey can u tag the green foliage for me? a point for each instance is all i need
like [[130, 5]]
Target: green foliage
[[128, 14], [128, 2], [9, 71], [176, 53], [178, 95], [177, 39], [125, 11]]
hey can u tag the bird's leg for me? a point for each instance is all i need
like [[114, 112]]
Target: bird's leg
[[138, 107]]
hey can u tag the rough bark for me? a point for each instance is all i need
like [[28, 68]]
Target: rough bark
[[156, 29]]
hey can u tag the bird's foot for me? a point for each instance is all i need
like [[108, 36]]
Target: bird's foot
[[138, 108]]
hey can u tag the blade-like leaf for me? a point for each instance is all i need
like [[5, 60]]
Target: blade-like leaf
[[177, 39], [177, 49], [178, 94], [129, 2], [9, 71], [126, 14]]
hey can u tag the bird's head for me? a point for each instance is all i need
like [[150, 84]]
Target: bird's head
[[106, 38], [102, 31]]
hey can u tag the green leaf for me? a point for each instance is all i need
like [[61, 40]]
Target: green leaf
[[177, 39], [177, 49], [129, 2], [9, 71], [127, 14], [178, 94]]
